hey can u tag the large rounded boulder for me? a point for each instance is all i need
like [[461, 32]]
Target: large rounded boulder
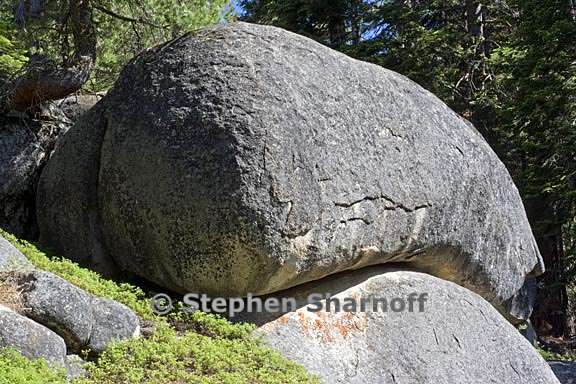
[[379, 325], [246, 158]]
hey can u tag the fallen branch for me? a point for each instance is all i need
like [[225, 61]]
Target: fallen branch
[[43, 81], [125, 18]]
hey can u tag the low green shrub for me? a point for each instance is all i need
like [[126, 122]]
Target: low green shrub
[[16, 369], [192, 358]]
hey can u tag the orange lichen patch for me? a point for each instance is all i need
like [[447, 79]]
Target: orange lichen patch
[[322, 318], [350, 322], [283, 320], [346, 325], [356, 296], [303, 321], [329, 326]]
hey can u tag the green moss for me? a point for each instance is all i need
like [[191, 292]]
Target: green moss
[[549, 356], [185, 347], [16, 369], [192, 358]]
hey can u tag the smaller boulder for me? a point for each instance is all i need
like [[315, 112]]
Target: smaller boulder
[[455, 337], [112, 321], [84, 321], [30, 338], [11, 259], [58, 305]]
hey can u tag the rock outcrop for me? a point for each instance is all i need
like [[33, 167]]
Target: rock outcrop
[[85, 322], [76, 105], [25, 146], [48, 316], [246, 158], [456, 338]]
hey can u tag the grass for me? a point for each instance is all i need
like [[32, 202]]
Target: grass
[[184, 348]]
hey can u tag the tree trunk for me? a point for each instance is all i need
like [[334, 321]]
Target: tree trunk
[[337, 31], [473, 11], [550, 315], [41, 83], [552, 306]]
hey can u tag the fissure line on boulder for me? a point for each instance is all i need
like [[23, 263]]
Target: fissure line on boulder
[[352, 219], [396, 205]]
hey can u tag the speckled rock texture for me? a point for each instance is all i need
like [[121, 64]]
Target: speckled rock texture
[[457, 338], [30, 338], [11, 259], [247, 158]]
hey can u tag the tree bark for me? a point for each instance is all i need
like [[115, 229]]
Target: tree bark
[[473, 12], [40, 83], [550, 315], [336, 30]]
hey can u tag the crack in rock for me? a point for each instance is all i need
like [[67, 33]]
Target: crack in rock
[[395, 205], [365, 221]]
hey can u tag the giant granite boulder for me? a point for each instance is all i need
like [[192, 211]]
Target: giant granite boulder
[[246, 158], [452, 336]]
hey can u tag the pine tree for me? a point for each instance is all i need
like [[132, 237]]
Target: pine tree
[[49, 49]]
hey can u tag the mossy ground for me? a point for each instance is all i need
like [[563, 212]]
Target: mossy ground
[[552, 356], [14, 368], [184, 348]]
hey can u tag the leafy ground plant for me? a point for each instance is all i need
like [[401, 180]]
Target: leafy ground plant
[[16, 369]]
